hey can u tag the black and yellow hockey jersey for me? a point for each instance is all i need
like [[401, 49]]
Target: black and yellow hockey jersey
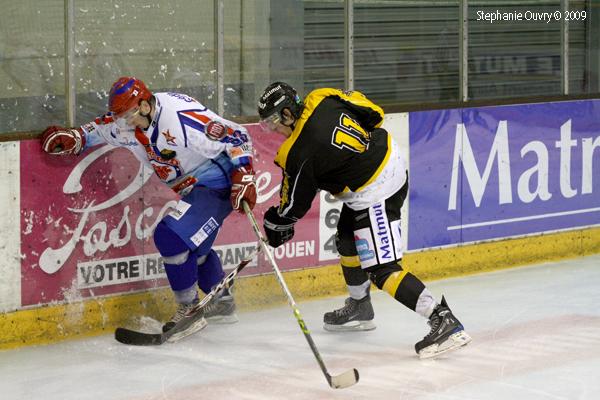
[[337, 145]]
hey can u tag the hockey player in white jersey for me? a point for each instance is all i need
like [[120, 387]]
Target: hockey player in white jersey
[[203, 157]]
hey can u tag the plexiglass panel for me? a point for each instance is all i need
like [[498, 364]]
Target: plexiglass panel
[[32, 64], [514, 49], [406, 51], [169, 45]]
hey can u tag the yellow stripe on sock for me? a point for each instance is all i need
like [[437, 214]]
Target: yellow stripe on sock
[[352, 261], [393, 281]]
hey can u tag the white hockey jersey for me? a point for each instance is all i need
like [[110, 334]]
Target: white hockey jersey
[[186, 143]]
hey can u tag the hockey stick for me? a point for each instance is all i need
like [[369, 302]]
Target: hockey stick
[[136, 338], [341, 381]]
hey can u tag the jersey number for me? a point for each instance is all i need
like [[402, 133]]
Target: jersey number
[[349, 135]]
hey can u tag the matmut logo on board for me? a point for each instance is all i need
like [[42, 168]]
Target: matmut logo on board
[[503, 171]]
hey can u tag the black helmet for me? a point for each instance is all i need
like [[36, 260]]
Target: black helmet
[[276, 97]]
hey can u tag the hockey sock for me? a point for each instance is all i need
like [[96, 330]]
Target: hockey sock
[[210, 272], [425, 304], [356, 278], [180, 263], [400, 284], [186, 296], [182, 274]]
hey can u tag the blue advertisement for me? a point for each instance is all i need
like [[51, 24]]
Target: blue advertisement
[[497, 172]]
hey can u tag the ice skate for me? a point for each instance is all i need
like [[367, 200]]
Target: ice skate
[[221, 309], [183, 311], [447, 333], [356, 315]]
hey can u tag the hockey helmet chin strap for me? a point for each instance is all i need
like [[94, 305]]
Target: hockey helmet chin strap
[[292, 124]]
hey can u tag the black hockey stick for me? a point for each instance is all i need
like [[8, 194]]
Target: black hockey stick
[[341, 381], [136, 338]]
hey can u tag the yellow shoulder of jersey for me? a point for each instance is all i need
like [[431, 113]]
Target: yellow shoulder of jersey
[[311, 102], [355, 97]]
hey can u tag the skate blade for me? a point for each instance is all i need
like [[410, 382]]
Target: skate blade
[[195, 327], [223, 319], [455, 341], [351, 326]]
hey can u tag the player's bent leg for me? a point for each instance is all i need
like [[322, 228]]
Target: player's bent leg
[[221, 309], [183, 284], [181, 269], [357, 313]]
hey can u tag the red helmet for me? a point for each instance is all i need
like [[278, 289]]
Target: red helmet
[[126, 93]]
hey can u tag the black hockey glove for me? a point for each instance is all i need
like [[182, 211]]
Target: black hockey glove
[[278, 229]]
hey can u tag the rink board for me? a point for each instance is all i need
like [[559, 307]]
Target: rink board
[[80, 259], [100, 315], [503, 171]]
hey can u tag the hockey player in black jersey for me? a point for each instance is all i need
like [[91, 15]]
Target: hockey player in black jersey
[[335, 143]]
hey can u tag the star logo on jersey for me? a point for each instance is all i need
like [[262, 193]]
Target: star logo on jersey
[[170, 139]]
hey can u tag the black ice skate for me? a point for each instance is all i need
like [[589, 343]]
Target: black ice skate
[[447, 333], [184, 311], [221, 309], [356, 315]]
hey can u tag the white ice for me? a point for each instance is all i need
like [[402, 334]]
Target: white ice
[[536, 336]]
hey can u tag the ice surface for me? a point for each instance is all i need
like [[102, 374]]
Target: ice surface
[[536, 335]]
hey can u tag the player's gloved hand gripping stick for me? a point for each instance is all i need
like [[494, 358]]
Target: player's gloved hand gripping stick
[[341, 381]]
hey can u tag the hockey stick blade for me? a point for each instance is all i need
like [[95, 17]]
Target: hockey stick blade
[[343, 380], [137, 338], [128, 336]]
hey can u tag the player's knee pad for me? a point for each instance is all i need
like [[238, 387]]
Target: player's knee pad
[[345, 244], [177, 259], [210, 271]]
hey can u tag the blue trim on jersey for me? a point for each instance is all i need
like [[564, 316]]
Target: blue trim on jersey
[[154, 135], [215, 173], [184, 120]]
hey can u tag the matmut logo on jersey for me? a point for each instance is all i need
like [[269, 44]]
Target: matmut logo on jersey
[[381, 242]]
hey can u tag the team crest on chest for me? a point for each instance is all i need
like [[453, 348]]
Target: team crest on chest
[[169, 138], [215, 130]]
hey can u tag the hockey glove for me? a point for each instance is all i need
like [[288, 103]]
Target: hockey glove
[[60, 141], [279, 229], [243, 187]]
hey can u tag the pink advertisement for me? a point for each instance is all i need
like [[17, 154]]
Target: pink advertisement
[[87, 223]]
